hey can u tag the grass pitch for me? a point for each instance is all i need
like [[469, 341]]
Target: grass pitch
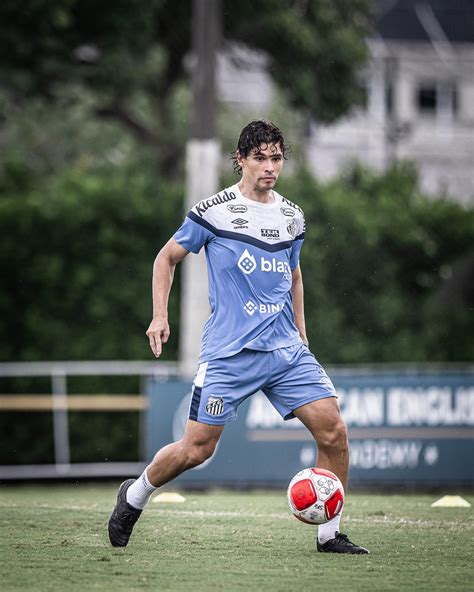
[[55, 538]]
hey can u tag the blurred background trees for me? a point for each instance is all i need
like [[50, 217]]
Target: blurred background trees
[[131, 59], [94, 115]]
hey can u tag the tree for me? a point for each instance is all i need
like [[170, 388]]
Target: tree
[[379, 263], [131, 47]]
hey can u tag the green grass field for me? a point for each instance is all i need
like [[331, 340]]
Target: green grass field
[[55, 538]]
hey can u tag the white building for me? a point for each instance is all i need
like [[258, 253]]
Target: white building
[[420, 97], [420, 106]]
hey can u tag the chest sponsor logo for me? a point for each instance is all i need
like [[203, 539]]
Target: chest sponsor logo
[[287, 212], [240, 223], [271, 233], [237, 209], [220, 198], [248, 264], [263, 308]]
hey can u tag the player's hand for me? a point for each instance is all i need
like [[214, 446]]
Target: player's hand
[[158, 333]]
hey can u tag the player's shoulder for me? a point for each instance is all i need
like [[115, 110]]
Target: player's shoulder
[[295, 216], [212, 209], [290, 208]]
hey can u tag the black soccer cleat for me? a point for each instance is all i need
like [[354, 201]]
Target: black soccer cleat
[[340, 544], [123, 517]]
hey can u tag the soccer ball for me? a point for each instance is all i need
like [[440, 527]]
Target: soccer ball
[[315, 496]]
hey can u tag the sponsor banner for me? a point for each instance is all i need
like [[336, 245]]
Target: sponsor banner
[[403, 428]]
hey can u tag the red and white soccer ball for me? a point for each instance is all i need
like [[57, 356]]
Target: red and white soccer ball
[[315, 496]]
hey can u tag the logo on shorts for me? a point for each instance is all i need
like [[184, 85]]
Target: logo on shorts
[[247, 262], [215, 405]]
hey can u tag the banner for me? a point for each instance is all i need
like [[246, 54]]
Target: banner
[[404, 429]]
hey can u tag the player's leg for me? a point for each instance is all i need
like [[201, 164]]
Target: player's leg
[[219, 388], [301, 388], [197, 445], [323, 419]]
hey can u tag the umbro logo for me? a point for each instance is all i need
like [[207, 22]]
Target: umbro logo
[[240, 223]]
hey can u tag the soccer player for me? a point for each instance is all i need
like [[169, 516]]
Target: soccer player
[[255, 337]]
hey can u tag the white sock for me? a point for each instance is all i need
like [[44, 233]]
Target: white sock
[[327, 531], [139, 492]]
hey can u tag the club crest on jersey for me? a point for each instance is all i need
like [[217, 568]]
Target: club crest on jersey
[[291, 227], [247, 262], [205, 204], [215, 405], [237, 209]]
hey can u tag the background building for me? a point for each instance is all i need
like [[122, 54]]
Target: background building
[[420, 99]]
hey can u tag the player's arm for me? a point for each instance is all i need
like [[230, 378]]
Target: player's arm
[[297, 293], [163, 273]]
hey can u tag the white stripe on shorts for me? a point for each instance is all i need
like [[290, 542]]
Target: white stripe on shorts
[[201, 375]]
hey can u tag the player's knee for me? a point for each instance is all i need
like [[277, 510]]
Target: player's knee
[[334, 437], [199, 453]]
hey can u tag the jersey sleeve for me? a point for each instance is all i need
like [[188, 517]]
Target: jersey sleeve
[[192, 235], [297, 242]]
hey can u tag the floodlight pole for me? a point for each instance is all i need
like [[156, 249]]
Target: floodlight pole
[[202, 171]]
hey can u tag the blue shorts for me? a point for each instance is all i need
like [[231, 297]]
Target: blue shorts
[[290, 377]]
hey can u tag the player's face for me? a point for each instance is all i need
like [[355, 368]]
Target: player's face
[[262, 167]]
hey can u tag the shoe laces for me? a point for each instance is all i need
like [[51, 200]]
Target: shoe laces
[[128, 518], [343, 537]]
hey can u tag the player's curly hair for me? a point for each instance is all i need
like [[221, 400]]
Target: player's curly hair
[[254, 134]]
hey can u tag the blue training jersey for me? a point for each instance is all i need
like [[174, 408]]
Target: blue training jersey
[[251, 250]]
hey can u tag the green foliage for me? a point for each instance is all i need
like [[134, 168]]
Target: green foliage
[[45, 43], [316, 48], [384, 272], [119, 49], [382, 264], [76, 254], [378, 263]]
